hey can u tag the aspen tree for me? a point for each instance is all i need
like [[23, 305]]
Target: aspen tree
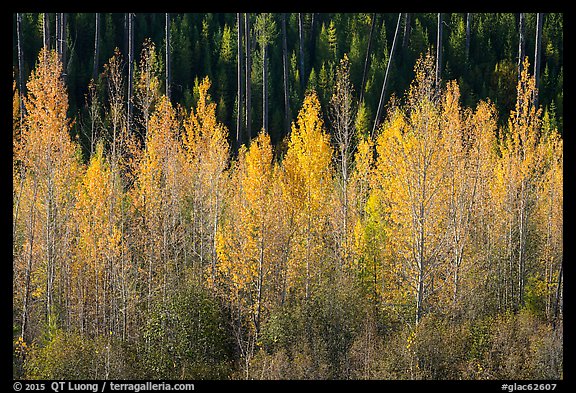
[[49, 158], [412, 163], [206, 152], [248, 260], [158, 191], [518, 172], [307, 183], [549, 221], [96, 265], [342, 114]]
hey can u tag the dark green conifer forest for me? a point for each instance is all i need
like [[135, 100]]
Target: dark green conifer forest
[[288, 196]]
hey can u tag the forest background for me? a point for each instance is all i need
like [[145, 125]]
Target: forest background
[[406, 231]]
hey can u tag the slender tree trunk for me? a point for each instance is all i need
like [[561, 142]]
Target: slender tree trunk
[[130, 69], [265, 87], [46, 30], [468, 32], [248, 77], [558, 296], [50, 251], [20, 65], [384, 84], [420, 262], [63, 44], [260, 283], [28, 273], [301, 47], [439, 49], [126, 17], [522, 245], [287, 115], [407, 29], [367, 59], [168, 58], [96, 46], [57, 32], [240, 109], [521, 43], [419, 295], [537, 55]]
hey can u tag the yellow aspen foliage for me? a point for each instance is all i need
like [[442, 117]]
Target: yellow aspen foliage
[[307, 186], [549, 221], [158, 193], [45, 139], [517, 174], [98, 244], [359, 193], [147, 86], [472, 210], [206, 155], [412, 172], [245, 241], [16, 113], [49, 163]]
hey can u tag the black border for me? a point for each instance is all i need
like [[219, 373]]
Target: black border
[[292, 6]]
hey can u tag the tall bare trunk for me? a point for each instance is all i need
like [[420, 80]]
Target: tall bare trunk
[[287, 115], [521, 43], [57, 32], [130, 69], [557, 305], [46, 30], [96, 46], [28, 273], [407, 29], [240, 109], [367, 58], [168, 58], [385, 83], [522, 244], [248, 77], [265, 87], [468, 32], [537, 55], [301, 47], [439, 49], [63, 44], [20, 64]]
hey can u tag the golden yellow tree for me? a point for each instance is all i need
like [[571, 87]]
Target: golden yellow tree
[[246, 240], [518, 173], [469, 137], [472, 213], [207, 153], [257, 214], [158, 193], [546, 285], [307, 186], [98, 272], [48, 160], [412, 169]]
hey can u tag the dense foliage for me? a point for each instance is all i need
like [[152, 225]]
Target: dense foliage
[[206, 45], [155, 248]]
